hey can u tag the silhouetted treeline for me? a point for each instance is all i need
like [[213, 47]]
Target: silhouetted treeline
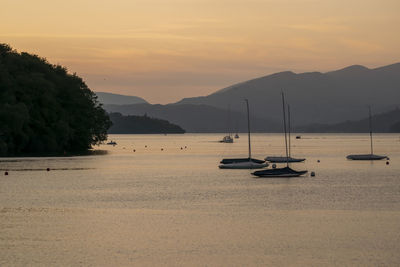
[[44, 109], [141, 125]]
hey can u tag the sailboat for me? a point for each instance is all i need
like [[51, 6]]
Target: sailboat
[[284, 172], [228, 138], [371, 156], [244, 163], [278, 159]]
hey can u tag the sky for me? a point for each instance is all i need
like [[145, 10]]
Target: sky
[[165, 50]]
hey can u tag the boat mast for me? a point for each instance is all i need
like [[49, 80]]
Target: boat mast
[[370, 129], [248, 125], [284, 128], [288, 110]]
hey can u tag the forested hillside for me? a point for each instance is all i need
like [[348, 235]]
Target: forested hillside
[[141, 125], [44, 109]]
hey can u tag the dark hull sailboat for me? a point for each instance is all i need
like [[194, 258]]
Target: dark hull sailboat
[[366, 157], [238, 160], [244, 163], [370, 156], [283, 159], [285, 172]]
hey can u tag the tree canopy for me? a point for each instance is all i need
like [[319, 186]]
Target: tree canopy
[[44, 109]]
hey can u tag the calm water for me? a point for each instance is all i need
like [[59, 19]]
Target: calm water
[[175, 207]]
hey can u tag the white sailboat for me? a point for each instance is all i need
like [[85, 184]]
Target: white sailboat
[[289, 158], [284, 172], [371, 156], [244, 163]]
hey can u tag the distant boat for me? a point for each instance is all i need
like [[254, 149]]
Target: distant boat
[[284, 172], [367, 156], [282, 159], [298, 137], [244, 163], [113, 143], [227, 139]]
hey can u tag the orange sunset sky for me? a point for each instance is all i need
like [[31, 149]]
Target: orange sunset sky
[[164, 50]]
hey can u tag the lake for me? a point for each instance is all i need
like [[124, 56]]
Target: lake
[[158, 200]]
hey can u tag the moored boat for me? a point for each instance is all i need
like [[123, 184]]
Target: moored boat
[[275, 159], [244, 163], [366, 157], [285, 172], [370, 156]]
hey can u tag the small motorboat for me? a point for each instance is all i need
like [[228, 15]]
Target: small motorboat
[[227, 139]]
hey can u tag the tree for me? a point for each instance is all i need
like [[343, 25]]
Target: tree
[[44, 109]]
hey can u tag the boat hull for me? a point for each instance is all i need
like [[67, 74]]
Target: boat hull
[[279, 173], [243, 165], [283, 159], [366, 157], [237, 160]]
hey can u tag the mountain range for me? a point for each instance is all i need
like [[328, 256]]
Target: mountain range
[[315, 98]]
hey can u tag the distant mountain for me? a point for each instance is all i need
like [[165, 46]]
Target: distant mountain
[[381, 123], [116, 99], [141, 125], [200, 118], [314, 97]]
